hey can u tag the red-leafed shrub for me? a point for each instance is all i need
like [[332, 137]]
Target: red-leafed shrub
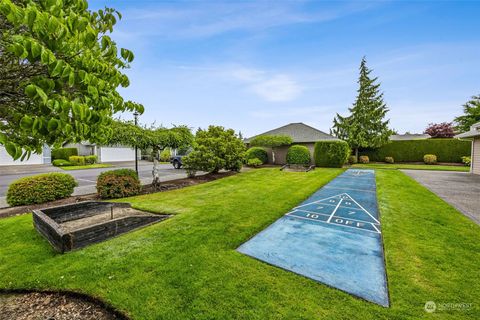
[[440, 130], [118, 184]]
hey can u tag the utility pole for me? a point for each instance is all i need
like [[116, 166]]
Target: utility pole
[[135, 116]]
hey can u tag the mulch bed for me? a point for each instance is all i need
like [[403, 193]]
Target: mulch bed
[[146, 189], [53, 306]]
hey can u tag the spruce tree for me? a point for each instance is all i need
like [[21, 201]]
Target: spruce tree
[[366, 126], [471, 114]]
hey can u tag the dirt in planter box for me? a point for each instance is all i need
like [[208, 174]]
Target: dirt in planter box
[[52, 306]]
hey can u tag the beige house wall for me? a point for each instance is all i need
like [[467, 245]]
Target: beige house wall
[[281, 153], [475, 165]]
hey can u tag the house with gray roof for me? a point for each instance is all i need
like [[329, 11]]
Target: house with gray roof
[[300, 133], [474, 135]]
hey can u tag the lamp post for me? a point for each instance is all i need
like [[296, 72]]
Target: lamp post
[[135, 117]]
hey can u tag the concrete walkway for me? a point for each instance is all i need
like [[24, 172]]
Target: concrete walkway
[[459, 189]]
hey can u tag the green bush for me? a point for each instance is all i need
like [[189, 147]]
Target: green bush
[[352, 159], [77, 160], [91, 159], [257, 153], [331, 153], [363, 159], [447, 150], [389, 160], [64, 153], [254, 162], [297, 154], [61, 163], [118, 184], [40, 188], [430, 159], [466, 160], [165, 155]]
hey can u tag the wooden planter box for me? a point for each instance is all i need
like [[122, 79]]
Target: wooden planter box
[[75, 226]]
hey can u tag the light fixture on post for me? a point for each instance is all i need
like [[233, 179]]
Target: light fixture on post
[[135, 117]]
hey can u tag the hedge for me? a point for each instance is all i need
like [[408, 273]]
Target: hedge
[[40, 188], [331, 153], [64, 153], [257, 153], [118, 184], [446, 150], [297, 154]]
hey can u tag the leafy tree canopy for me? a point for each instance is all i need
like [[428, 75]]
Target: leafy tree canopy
[[365, 127], [214, 149], [59, 74], [471, 114], [440, 130]]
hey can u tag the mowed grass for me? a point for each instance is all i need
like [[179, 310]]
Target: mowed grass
[[187, 266], [411, 166], [87, 166]]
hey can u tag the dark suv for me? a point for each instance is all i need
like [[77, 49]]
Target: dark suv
[[177, 161]]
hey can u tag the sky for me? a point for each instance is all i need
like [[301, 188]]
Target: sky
[[257, 65]]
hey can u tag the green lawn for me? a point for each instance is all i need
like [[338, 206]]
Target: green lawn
[[88, 166], [187, 266], [411, 166]]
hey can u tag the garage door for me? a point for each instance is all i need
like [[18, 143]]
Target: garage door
[[6, 160], [112, 154]]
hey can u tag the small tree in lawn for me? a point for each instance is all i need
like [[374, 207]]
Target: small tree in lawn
[[440, 130], [366, 126], [271, 141], [471, 115], [214, 149]]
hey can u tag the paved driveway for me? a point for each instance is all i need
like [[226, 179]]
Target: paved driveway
[[460, 189], [86, 178]]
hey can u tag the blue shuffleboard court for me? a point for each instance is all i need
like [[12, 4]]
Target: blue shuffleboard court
[[333, 237]]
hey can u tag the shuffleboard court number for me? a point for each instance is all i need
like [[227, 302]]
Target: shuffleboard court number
[[311, 215]]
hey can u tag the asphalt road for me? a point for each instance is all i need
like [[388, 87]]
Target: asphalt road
[[86, 178]]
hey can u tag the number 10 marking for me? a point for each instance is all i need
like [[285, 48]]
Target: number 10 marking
[[312, 215]]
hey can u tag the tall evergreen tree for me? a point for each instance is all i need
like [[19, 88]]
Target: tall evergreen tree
[[471, 115], [366, 126]]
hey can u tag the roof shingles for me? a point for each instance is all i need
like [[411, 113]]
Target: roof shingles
[[299, 132]]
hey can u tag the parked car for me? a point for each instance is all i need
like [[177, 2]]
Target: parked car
[[177, 161]]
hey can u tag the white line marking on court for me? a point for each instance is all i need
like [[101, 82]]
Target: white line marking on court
[[349, 189], [334, 210], [327, 215], [318, 201], [375, 227], [335, 224], [365, 210]]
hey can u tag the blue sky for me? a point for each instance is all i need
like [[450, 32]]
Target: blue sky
[[256, 65]]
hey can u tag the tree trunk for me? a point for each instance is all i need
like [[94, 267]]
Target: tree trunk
[[155, 173], [273, 156], [356, 153]]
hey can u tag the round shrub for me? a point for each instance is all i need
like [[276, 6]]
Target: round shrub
[[352, 159], [254, 162], [40, 188], [297, 154], [118, 184], [389, 160], [363, 159], [430, 159], [466, 160], [91, 159], [61, 163], [64, 153], [331, 153], [77, 160], [257, 153]]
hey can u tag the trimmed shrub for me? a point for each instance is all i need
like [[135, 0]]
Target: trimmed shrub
[[363, 159], [298, 154], [466, 160], [352, 159], [77, 160], [430, 159], [64, 153], [331, 153], [254, 162], [118, 184], [40, 188], [257, 153], [61, 163], [389, 160], [447, 150], [91, 159], [165, 155]]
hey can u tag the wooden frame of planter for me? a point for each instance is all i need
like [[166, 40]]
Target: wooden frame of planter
[[297, 167], [51, 223]]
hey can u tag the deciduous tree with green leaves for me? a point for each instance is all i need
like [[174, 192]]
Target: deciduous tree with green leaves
[[271, 141], [59, 74], [154, 138], [366, 126], [471, 114]]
